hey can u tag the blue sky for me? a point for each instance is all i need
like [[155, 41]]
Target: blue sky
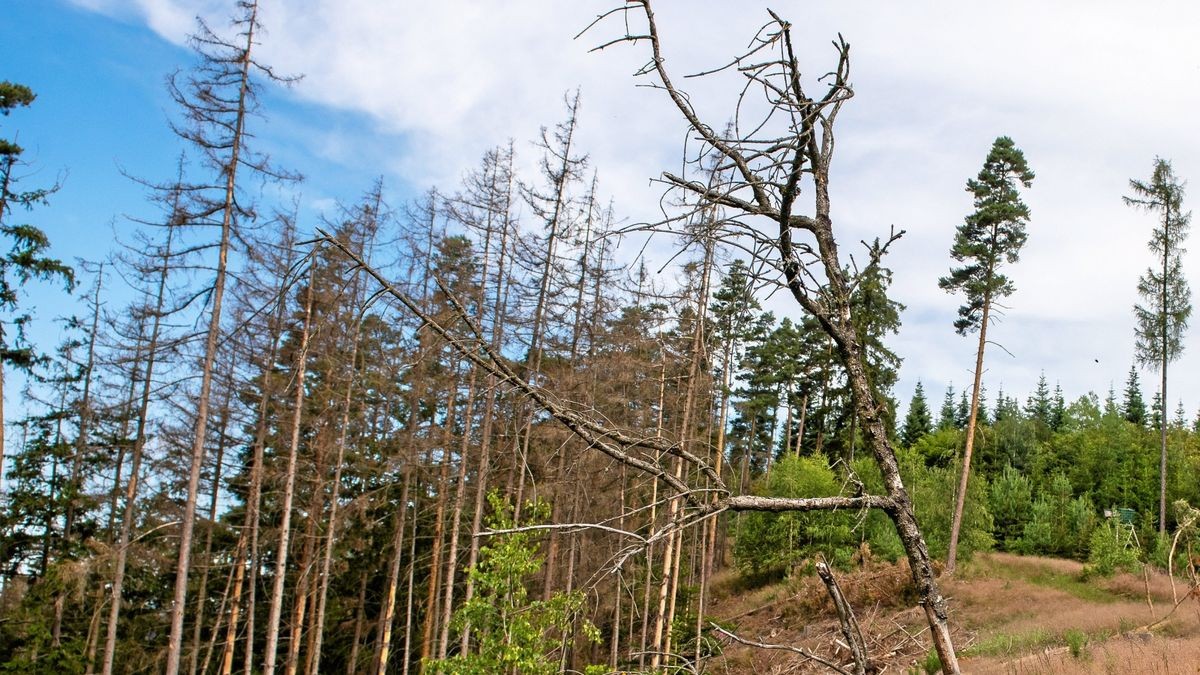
[[415, 92]]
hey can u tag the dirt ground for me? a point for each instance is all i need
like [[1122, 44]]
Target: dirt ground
[[1010, 614]]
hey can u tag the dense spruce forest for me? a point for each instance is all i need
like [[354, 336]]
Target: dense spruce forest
[[477, 432]]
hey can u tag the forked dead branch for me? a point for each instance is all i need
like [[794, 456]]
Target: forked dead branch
[[779, 149]]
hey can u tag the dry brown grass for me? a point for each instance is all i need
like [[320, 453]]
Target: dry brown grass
[[1011, 614]]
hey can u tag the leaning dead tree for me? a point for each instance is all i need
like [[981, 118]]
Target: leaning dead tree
[[775, 157], [764, 168]]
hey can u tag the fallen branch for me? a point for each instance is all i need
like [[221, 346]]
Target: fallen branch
[[787, 648], [850, 630]]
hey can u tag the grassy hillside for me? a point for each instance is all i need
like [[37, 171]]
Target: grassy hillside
[[1011, 614]]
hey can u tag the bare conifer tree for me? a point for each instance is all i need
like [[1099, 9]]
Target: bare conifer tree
[[217, 99]]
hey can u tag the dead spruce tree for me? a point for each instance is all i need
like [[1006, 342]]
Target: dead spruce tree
[[216, 98], [789, 147]]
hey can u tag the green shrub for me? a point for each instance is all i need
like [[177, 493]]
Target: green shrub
[[1011, 503], [1112, 548], [513, 632], [778, 542], [1076, 641], [932, 490], [933, 664], [1059, 525]]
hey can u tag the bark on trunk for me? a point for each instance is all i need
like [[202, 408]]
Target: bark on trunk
[[139, 443], [175, 641], [387, 613], [961, 497], [285, 526]]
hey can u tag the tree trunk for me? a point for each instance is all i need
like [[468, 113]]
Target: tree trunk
[[387, 613], [285, 530], [456, 518], [490, 402], [139, 444], [408, 610], [1162, 457], [175, 642], [560, 180], [360, 614], [81, 442], [432, 616], [234, 610], [202, 594], [961, 498], [257, 469]]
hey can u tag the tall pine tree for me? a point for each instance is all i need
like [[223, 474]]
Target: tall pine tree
[[987, 239], [1164, 288]]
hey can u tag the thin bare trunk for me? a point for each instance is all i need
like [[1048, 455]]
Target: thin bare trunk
[[614, 647], [85, 416], [430, 630], [202, 594], [716, 549], [661, 647], [254, 499], [561, 177], [646, 646], [139, 444], [234, 611], [232, 589], [179, 600], [360, 616], [456, 519], [305, 581], [490, 404], [961, 497], [408, 610], [387, 613], [327, 556], [285, 526]]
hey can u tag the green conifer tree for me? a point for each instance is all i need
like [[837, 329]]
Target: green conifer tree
[[947, 414], [1164, 287], [1134, 406], [918, 422], [1110, 403], [1058, 408], [1040, 407], [27, 258], [962, 413], [987, 239]]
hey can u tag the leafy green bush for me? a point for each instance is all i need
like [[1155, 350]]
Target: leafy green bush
[[933, 664], [1076, 641], [932, 490], [512, 632], [940, 447], [778, 542], [1112, 548]]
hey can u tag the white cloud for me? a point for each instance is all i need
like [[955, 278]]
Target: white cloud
[[1092, 91]]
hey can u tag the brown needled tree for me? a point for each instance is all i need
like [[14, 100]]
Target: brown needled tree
[[217, 99]]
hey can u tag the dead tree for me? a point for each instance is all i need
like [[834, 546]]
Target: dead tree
[[777, 146]]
